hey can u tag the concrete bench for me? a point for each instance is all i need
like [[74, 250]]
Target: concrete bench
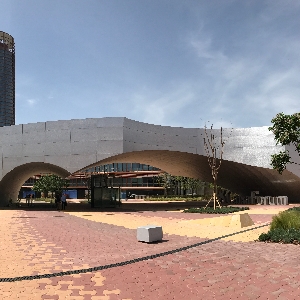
[[149, 233]]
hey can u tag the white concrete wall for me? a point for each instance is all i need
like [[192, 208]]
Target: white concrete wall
[[71, 145], [76, 144]]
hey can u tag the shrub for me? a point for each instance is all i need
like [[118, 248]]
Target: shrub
[[175, 198], [294, 208], [210, 210], [264, 237], [280, 235], [285, 228], [286, 220]]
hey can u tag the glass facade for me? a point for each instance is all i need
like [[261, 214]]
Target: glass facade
[[129, 179], [144, 181], [120, 175], [7, 80], [121, 167]]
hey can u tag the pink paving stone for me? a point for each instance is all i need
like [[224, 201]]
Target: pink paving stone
[[216, 260], [295, 294], [268, 297], [75, 292], [52, 297], [42, 286], [113, 297], [251, 295], [285, 296]]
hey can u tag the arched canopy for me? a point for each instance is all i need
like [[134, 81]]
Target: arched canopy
[[237, 177], [13, 181]]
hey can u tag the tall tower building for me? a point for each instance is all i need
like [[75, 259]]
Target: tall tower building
[[7, 80]]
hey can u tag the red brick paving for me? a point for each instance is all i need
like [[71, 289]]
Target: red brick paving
[[218, 270]]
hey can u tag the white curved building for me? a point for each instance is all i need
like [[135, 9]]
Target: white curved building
[[64, 147]]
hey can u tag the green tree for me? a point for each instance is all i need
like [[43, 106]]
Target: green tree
[[186, 183], [165, 180], [286, 129], [50, 183], [193, 184], [178, 183]]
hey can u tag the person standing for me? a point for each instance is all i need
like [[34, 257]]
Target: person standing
[[31, 199], [57, 201], [63, 201], [27, 199]]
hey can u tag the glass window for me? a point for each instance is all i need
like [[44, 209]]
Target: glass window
[[120, 167], [97, 181], [117, 181], [145, 181]]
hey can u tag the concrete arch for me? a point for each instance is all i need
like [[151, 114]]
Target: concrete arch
[[12, 181], [237, 177], [173, 162]]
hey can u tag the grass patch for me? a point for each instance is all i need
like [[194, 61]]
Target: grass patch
[[48, 200], [284, 228], [84, 201], [210, 210]]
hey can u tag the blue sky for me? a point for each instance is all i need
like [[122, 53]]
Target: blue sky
[[168, 62]]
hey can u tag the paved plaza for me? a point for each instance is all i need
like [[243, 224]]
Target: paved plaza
[[37, 242]]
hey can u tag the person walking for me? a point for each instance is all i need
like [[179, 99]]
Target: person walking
[[63, 201]]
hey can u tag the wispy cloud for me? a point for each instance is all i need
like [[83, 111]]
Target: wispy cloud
[[31, 102], [227, 62], [161, 108], [251, 84]]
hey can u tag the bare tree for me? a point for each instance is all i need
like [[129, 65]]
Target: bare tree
[[214, 148]]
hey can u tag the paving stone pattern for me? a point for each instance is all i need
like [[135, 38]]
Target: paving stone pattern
[[40, 242]]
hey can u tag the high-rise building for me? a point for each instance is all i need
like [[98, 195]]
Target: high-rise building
[[7, 80]]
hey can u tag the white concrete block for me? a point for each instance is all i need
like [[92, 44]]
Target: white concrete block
[[149, 233]]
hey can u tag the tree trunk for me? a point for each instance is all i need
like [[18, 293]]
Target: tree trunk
[[215, 191]]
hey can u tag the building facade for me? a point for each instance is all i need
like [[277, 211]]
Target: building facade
[[7, 80], [67, 147], [135, 180]]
